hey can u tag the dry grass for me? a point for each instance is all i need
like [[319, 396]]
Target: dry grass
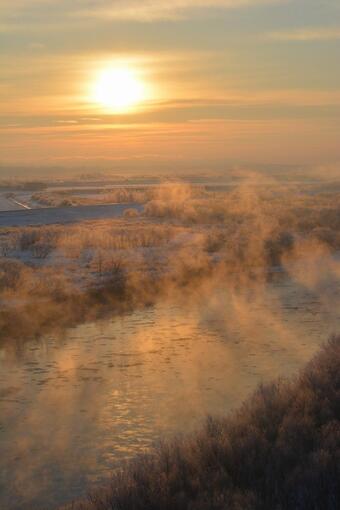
[[101, 196], [185, 235]]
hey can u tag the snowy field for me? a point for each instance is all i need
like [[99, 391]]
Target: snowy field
[[7, 204]]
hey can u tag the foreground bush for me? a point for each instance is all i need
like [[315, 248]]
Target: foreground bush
[[280, 451]]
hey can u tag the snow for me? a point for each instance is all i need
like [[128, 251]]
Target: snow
[[7, 205]]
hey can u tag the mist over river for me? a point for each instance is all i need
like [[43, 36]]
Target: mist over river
[[74, 406]]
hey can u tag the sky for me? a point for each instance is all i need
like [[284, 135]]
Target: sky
[[224, 81]]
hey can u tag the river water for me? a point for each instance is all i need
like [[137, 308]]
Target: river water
[[61, 215], [74, 406]]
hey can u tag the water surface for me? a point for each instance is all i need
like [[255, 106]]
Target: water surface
[[62, 215], [73, 407]]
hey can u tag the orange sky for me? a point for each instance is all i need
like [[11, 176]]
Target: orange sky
[[247, 81]]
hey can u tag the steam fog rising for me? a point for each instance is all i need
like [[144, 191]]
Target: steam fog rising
[[219, 291]]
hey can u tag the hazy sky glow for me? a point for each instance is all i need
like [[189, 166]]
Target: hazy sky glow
[[227, 80]]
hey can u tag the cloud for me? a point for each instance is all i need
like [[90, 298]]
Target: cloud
[[134, 10], [36, 46], [152, 10], [308, 34]]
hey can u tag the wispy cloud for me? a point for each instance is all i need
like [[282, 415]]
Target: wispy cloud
[[134, 10], [307, 34], [153, 10]]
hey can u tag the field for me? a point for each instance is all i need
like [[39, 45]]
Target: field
[[184, 235]]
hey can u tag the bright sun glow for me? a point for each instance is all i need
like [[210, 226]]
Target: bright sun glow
[[119, 89]]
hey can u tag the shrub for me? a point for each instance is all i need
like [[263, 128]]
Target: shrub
[[131, 213], [10, 274], [27, 238]]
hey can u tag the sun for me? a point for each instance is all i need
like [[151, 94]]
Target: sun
[[119, 89]]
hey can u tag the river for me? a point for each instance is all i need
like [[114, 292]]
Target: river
[[75, 406], [62, 215]]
